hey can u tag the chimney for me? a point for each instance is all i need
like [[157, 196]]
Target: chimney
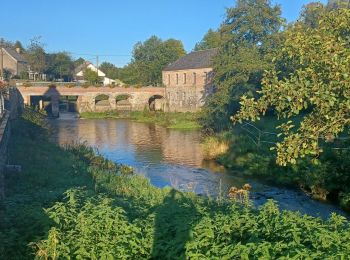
[[18, 50]]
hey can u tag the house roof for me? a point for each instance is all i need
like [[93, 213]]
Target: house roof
[[85, 65], [82, 66], [194, 60], [14, 54]]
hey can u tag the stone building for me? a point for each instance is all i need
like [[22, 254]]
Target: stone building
[[189, 80], [13, 61]]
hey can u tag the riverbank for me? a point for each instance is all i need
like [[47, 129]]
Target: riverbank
[[98, 209], [246, 148], [168, 120]]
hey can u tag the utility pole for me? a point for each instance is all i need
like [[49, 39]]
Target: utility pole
[[2, 62], [97, 64]]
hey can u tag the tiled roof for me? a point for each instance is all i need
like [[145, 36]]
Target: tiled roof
[[18, 57], [194, 60]]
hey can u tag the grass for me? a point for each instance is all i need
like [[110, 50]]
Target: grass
[[73, 203], [169, 120]]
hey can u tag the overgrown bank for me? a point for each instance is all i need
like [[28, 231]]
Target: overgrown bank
[[97, 209], [169, 120], [246, 148]]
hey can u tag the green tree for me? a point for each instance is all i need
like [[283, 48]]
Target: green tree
[[149, 59], [36, 55], [60, 65], [110, 70], [250, 33], [311, 13], [19, 45], [212, 39], [78, 62], [318, 90], [91, 76], [336, 4]]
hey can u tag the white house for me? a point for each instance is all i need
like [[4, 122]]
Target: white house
[[79, 73]]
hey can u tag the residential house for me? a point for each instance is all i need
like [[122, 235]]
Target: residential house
[[189, 80], [79, 73], [13, 61]]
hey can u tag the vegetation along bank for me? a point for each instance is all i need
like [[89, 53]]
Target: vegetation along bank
[[169, 120], [71, 202], [285, 89]]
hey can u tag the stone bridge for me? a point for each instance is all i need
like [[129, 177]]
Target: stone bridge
[[91, 99]]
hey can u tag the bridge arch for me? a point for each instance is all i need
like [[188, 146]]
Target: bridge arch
[[102, 102], [123, 102], [156, 103]]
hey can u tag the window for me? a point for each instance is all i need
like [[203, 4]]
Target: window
[[206, 77], [168, 79], [177, 79], [194, 78], [185, 78]]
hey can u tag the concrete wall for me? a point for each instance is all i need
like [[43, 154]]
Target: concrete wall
[[187, 90]]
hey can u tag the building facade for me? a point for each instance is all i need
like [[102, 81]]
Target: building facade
[[188, 81], [13, 61]]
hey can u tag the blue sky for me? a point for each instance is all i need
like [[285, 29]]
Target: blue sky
[[112, 27]]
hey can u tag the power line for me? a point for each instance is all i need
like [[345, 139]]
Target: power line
[[101, 55]]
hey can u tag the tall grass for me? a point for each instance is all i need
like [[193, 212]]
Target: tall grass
[[97, 209]]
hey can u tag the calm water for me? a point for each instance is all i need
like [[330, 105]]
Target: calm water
[[172, 158]]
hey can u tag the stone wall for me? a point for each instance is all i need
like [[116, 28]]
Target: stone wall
[[187, 90], [13, 106], [4, 139], [139, 98]]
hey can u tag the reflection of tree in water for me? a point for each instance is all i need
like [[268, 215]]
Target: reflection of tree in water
[[173, 223]]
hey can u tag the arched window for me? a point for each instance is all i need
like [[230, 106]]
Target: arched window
[[194, 78], [177, 79], [185, 78], [168, 79], [206, 78]]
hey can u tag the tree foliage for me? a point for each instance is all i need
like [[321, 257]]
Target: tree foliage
[[36, 55], [110, 70], [319, 88], [78, 62], [149, 59], [60, 65], [311, 13], [249, 33], [337, 4], [91, 76], [212, 39]]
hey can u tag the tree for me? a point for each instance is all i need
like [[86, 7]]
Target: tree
[[249, 33], [60, 65], [19, 45], [212, 39], [36, 55], [318, 90], [149, 59], [5, 43], [78, 62], [110, 70], [336, 4], [311, 13], [91, 76]]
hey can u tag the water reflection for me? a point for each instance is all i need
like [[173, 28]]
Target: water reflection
[[172, 158]]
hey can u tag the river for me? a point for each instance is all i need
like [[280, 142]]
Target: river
[[174, 158]]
